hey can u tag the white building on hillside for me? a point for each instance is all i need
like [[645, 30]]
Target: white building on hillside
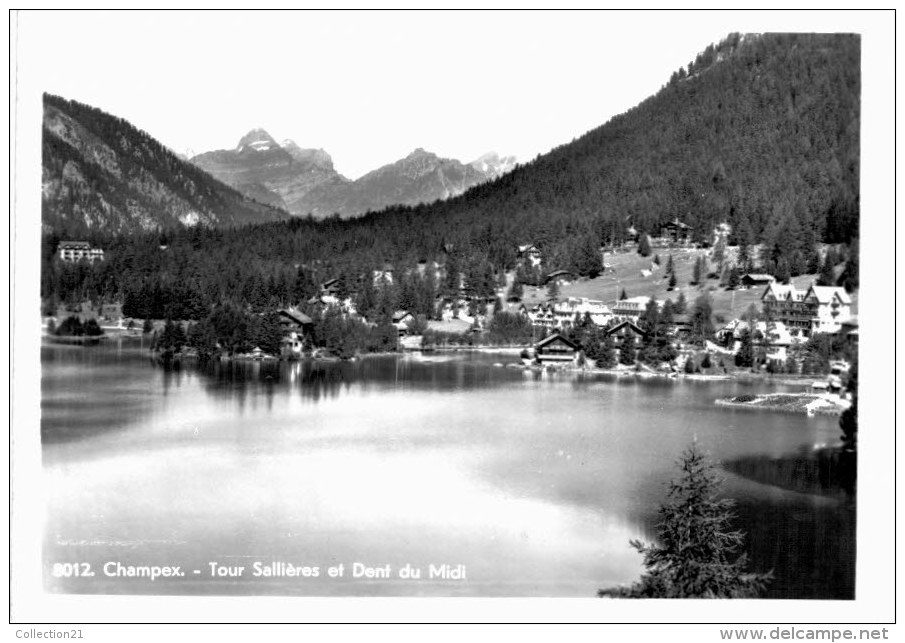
[[78, 250], [819, 309], [561, 314], [630, 309]]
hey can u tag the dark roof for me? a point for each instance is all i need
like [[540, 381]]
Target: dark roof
[[631, 326], [399, 315], [296, 315], [553, 338], [559, 273], [329, 282], [74, 244]]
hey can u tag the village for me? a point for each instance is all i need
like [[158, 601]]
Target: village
[[683, 323]]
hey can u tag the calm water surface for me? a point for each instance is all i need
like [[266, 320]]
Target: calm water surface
[[533, 482]]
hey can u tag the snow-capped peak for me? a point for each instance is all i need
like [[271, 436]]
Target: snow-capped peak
[[493, 163]]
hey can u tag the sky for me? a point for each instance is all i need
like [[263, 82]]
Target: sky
[[368, 87]]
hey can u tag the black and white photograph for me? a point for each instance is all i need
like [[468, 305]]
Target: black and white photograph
[[431, 305]]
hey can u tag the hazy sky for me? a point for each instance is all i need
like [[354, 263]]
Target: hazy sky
[[370, 87]]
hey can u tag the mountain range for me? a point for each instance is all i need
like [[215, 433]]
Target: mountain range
[[101, 173], [761, 132], [303, 181]]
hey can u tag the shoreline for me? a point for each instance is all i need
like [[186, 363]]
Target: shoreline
[[510, 350]]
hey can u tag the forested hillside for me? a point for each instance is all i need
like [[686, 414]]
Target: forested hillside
[[761, 132], [102, 174]]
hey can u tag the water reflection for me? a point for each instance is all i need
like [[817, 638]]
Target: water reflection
[[535, 480]]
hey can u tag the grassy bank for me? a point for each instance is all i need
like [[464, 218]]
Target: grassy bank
[[808, 403]]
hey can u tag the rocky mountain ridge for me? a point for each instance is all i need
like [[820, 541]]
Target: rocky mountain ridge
[[304, 181]]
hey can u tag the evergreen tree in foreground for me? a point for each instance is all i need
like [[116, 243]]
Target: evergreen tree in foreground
[[697, 272], [697, 553], [848, 422]]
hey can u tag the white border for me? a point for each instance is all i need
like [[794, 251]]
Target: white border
[[874, 601]]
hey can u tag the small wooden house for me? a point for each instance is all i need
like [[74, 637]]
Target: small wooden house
[[676, 231], [627, 333], [401, 320], [556, 349], [757, 279]]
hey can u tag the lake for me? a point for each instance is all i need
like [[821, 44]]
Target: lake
[[485, 480]]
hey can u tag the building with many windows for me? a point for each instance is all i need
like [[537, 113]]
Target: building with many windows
[[562, 314], [79, 250], [631, 309], [819, 309]]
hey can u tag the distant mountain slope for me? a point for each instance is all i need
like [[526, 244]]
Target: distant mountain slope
[[761, 129], [303, 181], [101, 173], [421, 177], [761, 132]]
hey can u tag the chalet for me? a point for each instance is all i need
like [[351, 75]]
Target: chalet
[[294, 325], [753, 279], [530, 254], [556, 349], [626, 333], [402, 319], [78, 250], [676, 231]]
